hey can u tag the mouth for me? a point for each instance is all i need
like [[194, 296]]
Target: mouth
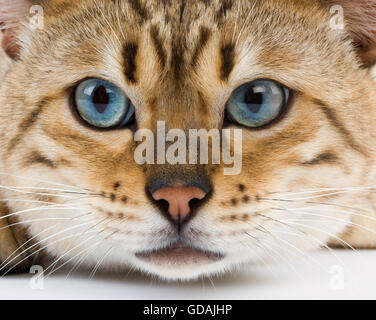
[[179, 254]]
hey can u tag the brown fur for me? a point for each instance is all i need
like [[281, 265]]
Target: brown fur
[[179, 62]]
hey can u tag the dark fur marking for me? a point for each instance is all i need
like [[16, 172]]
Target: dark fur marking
[[226, 5], [113, 197], [129, 54], [245, 217], [246, 199], [27, 123], [177, 61], [182, 9], [158, 45], [326, 157], [205, 34], [139, 9], [241, 187], [234, 202], [333, 119], [228, 57], [117, 185], [124, 199], [36, 158]]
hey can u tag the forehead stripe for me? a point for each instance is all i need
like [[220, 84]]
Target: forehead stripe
[[129, 54], [228, 57]]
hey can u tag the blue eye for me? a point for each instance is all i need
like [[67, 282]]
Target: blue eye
[[102, 104], [257, 103]]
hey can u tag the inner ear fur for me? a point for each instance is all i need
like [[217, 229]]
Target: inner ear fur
[[12, 14]]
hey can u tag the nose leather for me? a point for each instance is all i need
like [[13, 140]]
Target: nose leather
[[178, 199]]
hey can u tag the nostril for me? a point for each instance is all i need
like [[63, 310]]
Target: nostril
[[180, 201]]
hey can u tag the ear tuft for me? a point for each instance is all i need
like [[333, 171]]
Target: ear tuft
[[360, 22], [12, 14]]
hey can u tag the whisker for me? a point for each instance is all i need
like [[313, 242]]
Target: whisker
[[25, 243], [323, 244], [53, 264], [236, 23], [350, 213], [51, 207], [52, 189], [319, 190], [37, 193], [264, 246], [43, 248], [331, 220], [77, 265], [97, 266], [42, 181], [27, 201], [283, 223], [245, 23], [36, 220], [77, 255], [327, 233], [43, 240]]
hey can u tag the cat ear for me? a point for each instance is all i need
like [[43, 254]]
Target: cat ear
[[360, 22], [12, 14]]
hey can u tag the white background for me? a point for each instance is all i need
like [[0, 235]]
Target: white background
[[343, 274]]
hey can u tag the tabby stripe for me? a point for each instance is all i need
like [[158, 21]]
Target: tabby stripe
[[205, 34], [323, 158], [226, 5], [158, 45], [182, 9], [333, 119], [129, 54], [139, 9], [177, 61], [35, 157], [228, 57], [27, 124]]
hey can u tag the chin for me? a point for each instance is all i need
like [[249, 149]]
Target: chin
[[180, 262]]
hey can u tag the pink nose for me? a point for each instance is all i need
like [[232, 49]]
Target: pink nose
[[178, 199]]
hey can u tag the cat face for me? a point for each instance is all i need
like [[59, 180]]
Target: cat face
[[84, 200]]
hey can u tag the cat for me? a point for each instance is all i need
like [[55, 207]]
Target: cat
[[77, 89]]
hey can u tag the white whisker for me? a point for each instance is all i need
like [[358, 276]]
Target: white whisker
[[25, 243], [97, 266], [42, 181], [44, 240]]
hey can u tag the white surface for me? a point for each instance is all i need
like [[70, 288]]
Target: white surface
[[308, 278]]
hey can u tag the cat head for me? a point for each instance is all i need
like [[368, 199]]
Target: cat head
[[80, 89]]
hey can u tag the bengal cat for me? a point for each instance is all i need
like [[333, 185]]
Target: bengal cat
[[76, 90]]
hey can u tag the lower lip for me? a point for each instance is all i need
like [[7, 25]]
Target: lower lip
[[179, 255]]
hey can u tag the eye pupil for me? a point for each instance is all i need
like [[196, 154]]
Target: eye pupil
[[101, 99], [254, 100]]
